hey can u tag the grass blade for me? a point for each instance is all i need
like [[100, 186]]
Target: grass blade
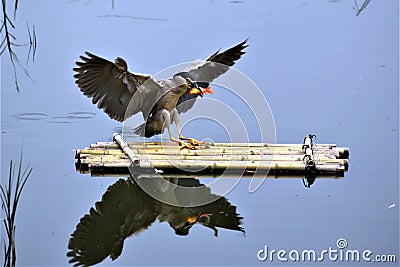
[[10, 194]]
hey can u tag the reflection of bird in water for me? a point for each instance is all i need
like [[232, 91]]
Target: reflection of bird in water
[[125, 209], [122, 94]]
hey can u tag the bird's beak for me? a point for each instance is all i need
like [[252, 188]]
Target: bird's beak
[[196, 218], [196, 91], [201, 91], [192, 219]]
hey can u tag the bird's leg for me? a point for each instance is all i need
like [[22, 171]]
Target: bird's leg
[[177, 121], [167, 123]]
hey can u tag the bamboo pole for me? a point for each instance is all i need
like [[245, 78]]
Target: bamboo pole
[[127, 150], [110, 145], [188, 166], [246, 175], [167, 146], [202, 152], [211, 151], [224, 163], [172, 158]]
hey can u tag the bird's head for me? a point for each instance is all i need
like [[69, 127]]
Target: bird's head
[[192, 220], [194, 87]]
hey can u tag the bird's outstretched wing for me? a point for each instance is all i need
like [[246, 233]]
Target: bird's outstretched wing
[[113, 88], [125, 209], [218, 63], [208, 70]]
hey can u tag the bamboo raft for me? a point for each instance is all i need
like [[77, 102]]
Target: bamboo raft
[[289, 160]]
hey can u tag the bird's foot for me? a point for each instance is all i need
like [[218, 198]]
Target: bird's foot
[[191, 141], [184, 145], [194, 142]]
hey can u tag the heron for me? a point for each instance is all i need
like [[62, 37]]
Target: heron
[[122, 93]]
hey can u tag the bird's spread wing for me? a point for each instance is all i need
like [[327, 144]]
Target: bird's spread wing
[[113, 88], [208, 70], [125, 209], [218, 63]]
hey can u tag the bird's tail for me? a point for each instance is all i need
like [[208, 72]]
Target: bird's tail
[[148, 129], [140, 130]]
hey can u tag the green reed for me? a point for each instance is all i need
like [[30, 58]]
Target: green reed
[[10, 195]]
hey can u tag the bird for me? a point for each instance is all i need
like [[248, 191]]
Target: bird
[[122, 94], [127, 210]]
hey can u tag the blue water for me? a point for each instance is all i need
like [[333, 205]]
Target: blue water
[[322, 69]]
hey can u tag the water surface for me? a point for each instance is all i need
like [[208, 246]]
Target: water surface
[[322, 69]]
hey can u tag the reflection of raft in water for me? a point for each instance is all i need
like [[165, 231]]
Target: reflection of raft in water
[[107, 158]]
